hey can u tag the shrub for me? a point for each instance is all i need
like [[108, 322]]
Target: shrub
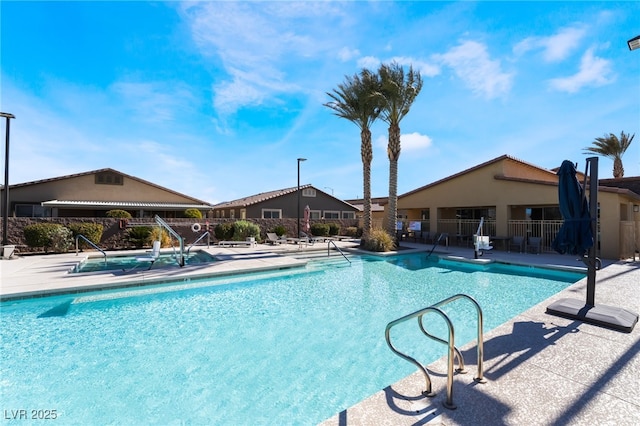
[[139, 236], [379, 240], [119, 214], [159, 234], [280, 230], [320, 229], [193, 213], [223, 231], [92, 231], [334, 229], [353, 231], [53, 236], [243, 229]]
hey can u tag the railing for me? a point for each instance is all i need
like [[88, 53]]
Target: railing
[[206, 234], [337, 248], [177, 236], [450, 342], [91, 244]]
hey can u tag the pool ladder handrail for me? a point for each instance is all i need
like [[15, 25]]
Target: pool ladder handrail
[[452, 351], [177, 236], [91, 244], [337, 248], [206, 234]]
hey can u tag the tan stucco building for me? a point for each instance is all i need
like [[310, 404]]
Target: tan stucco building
[[517, 198], [93, 193]]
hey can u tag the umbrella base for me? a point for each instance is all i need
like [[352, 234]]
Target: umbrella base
[[602, 315]]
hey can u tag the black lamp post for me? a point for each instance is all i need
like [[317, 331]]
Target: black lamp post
[[5, 201], [298, 211], [634, 43]]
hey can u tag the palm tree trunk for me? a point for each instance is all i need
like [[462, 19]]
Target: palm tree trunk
[[618, 170], [366, 151], [393, 151]]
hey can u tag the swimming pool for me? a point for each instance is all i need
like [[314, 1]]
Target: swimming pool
[[129, 262], [282, 347]]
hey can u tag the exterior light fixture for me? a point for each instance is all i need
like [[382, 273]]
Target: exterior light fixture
[[634, 43]]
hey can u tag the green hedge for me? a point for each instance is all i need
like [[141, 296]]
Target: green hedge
[[139, 236], [50, 236], [193, 213], [92, 231], [320, 229], [119, 214]]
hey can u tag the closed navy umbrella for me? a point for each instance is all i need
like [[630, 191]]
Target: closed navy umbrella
[[575, 235]]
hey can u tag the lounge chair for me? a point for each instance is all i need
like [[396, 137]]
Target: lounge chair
[[153, 256], [517, 241], [273, 239]]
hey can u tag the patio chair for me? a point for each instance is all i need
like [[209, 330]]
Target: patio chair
[[517, 241], [534, 244], [273, 239]]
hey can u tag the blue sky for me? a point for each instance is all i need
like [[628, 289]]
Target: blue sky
[[217, 100]]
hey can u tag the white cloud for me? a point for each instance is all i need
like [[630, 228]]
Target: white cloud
[[370, 62], [154, 102], [412, 142], [470, 61], [555, 47], [594, 72], [345, 54]]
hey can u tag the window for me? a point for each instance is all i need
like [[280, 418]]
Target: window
[[329, 214], [232, 213], [308, 192], [32, 210], [243, 214], [348, 215], [109, 178], [315, 214], [271, 213]]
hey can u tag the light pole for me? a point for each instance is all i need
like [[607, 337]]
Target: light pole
[[5, 201], [634, 43], [298, 211]]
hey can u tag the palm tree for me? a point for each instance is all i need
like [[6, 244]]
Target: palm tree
[[355, 100], [398, 92], [612, 147]]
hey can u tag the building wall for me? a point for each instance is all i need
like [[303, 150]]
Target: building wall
[[84, 188]]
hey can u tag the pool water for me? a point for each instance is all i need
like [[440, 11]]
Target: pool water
[[129, 262], [276, 348]]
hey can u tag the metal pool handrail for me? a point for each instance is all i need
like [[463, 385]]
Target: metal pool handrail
[[337, 248], [91, 244], [452, 351], [206, 234]]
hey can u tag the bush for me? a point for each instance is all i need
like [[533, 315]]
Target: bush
[[280, 230], [159, 234], [193, 213], [379, 240], [353, 231], [53, 236], [119, 214], [243, 229], [139, 236], [334, 229], [320, 230], [92, 231], [223, 231]]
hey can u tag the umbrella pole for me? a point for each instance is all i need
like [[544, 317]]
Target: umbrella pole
[[593, 211]]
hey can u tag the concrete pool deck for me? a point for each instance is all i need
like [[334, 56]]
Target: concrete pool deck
[[539, 369]]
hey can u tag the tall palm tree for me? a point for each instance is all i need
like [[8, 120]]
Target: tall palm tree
[[612, 147], [398, 92], [355, 100]]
